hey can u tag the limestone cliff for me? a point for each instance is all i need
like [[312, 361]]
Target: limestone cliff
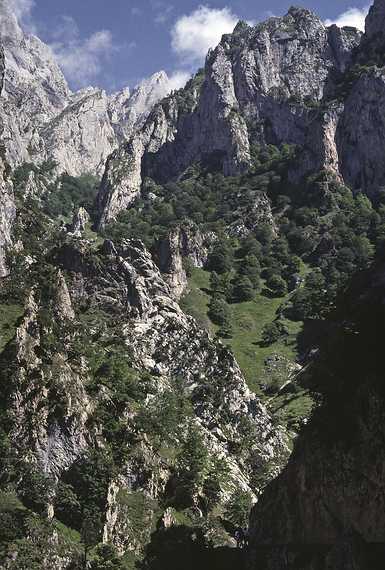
[[261, 85], [44, 120], [7, 206]]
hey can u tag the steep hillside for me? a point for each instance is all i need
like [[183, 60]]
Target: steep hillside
[[168, 336], [115, 406], [7, 206], [326, 509]]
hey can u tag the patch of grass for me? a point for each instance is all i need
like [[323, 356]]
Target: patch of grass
[[9, 316], [248, 320], [292, 409], [196, 301], [68, 534]]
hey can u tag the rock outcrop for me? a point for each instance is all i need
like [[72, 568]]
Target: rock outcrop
[[7, 205], [169, 345], [51, 441], [261, 85], [375, 21], [361, 133], [79, 222], [185, 244]]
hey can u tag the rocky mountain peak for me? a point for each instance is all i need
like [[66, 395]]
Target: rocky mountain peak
[[375, 20], [9, 26], [261, 85], [76, 130]]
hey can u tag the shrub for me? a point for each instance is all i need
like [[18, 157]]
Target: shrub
[[277, 286]]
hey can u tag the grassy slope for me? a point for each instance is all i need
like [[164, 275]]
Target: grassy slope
[[248, 321]]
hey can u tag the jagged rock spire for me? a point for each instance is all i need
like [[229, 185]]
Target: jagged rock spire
[[375, 21]]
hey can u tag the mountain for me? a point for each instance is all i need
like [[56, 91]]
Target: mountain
[[269, 84], [44, 120], [199, 335]]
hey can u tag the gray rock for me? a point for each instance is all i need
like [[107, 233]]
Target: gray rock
[[261, 85], [44, 120], [181, 244], [80, 220], [7, 205]]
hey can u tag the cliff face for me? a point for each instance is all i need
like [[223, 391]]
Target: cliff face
[[7, 206], [326, 510], [44, 120], [261, 85]]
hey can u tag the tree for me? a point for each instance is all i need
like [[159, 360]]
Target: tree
[[192, 467], [251, 268], [105, 558], [238, 508], [272, 332], [219, 311], [91, 530], [215, 282], [221, 258], [243, 289], [251, 246], [277, 286], [226, 329], [293, 265], [301, 308]]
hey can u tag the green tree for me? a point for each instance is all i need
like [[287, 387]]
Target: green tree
[[215, 282], [238, 508], [219, 311], [221, 258], [251, 246], [251, 268], [277, 286], [192, 467], [226, 328], [105, 558], [272, 332], [243, 289]]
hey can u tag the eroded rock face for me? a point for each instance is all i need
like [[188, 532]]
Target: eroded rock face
[[7, 205], [51, 441], [79, 222], [169, 345], [260, 85], [361, 133], [184, 243], [375, 21], [44, 120]]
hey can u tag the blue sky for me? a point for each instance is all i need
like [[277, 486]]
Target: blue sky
[[114, 43]]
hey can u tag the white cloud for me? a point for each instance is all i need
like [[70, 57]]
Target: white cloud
[[82, 59], [193, 34], [178, 79], [354, 17]]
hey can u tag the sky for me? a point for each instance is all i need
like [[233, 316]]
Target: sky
[[117, 43]]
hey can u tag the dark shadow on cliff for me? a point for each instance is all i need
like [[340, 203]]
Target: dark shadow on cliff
[[184, 548], [311, 336]]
